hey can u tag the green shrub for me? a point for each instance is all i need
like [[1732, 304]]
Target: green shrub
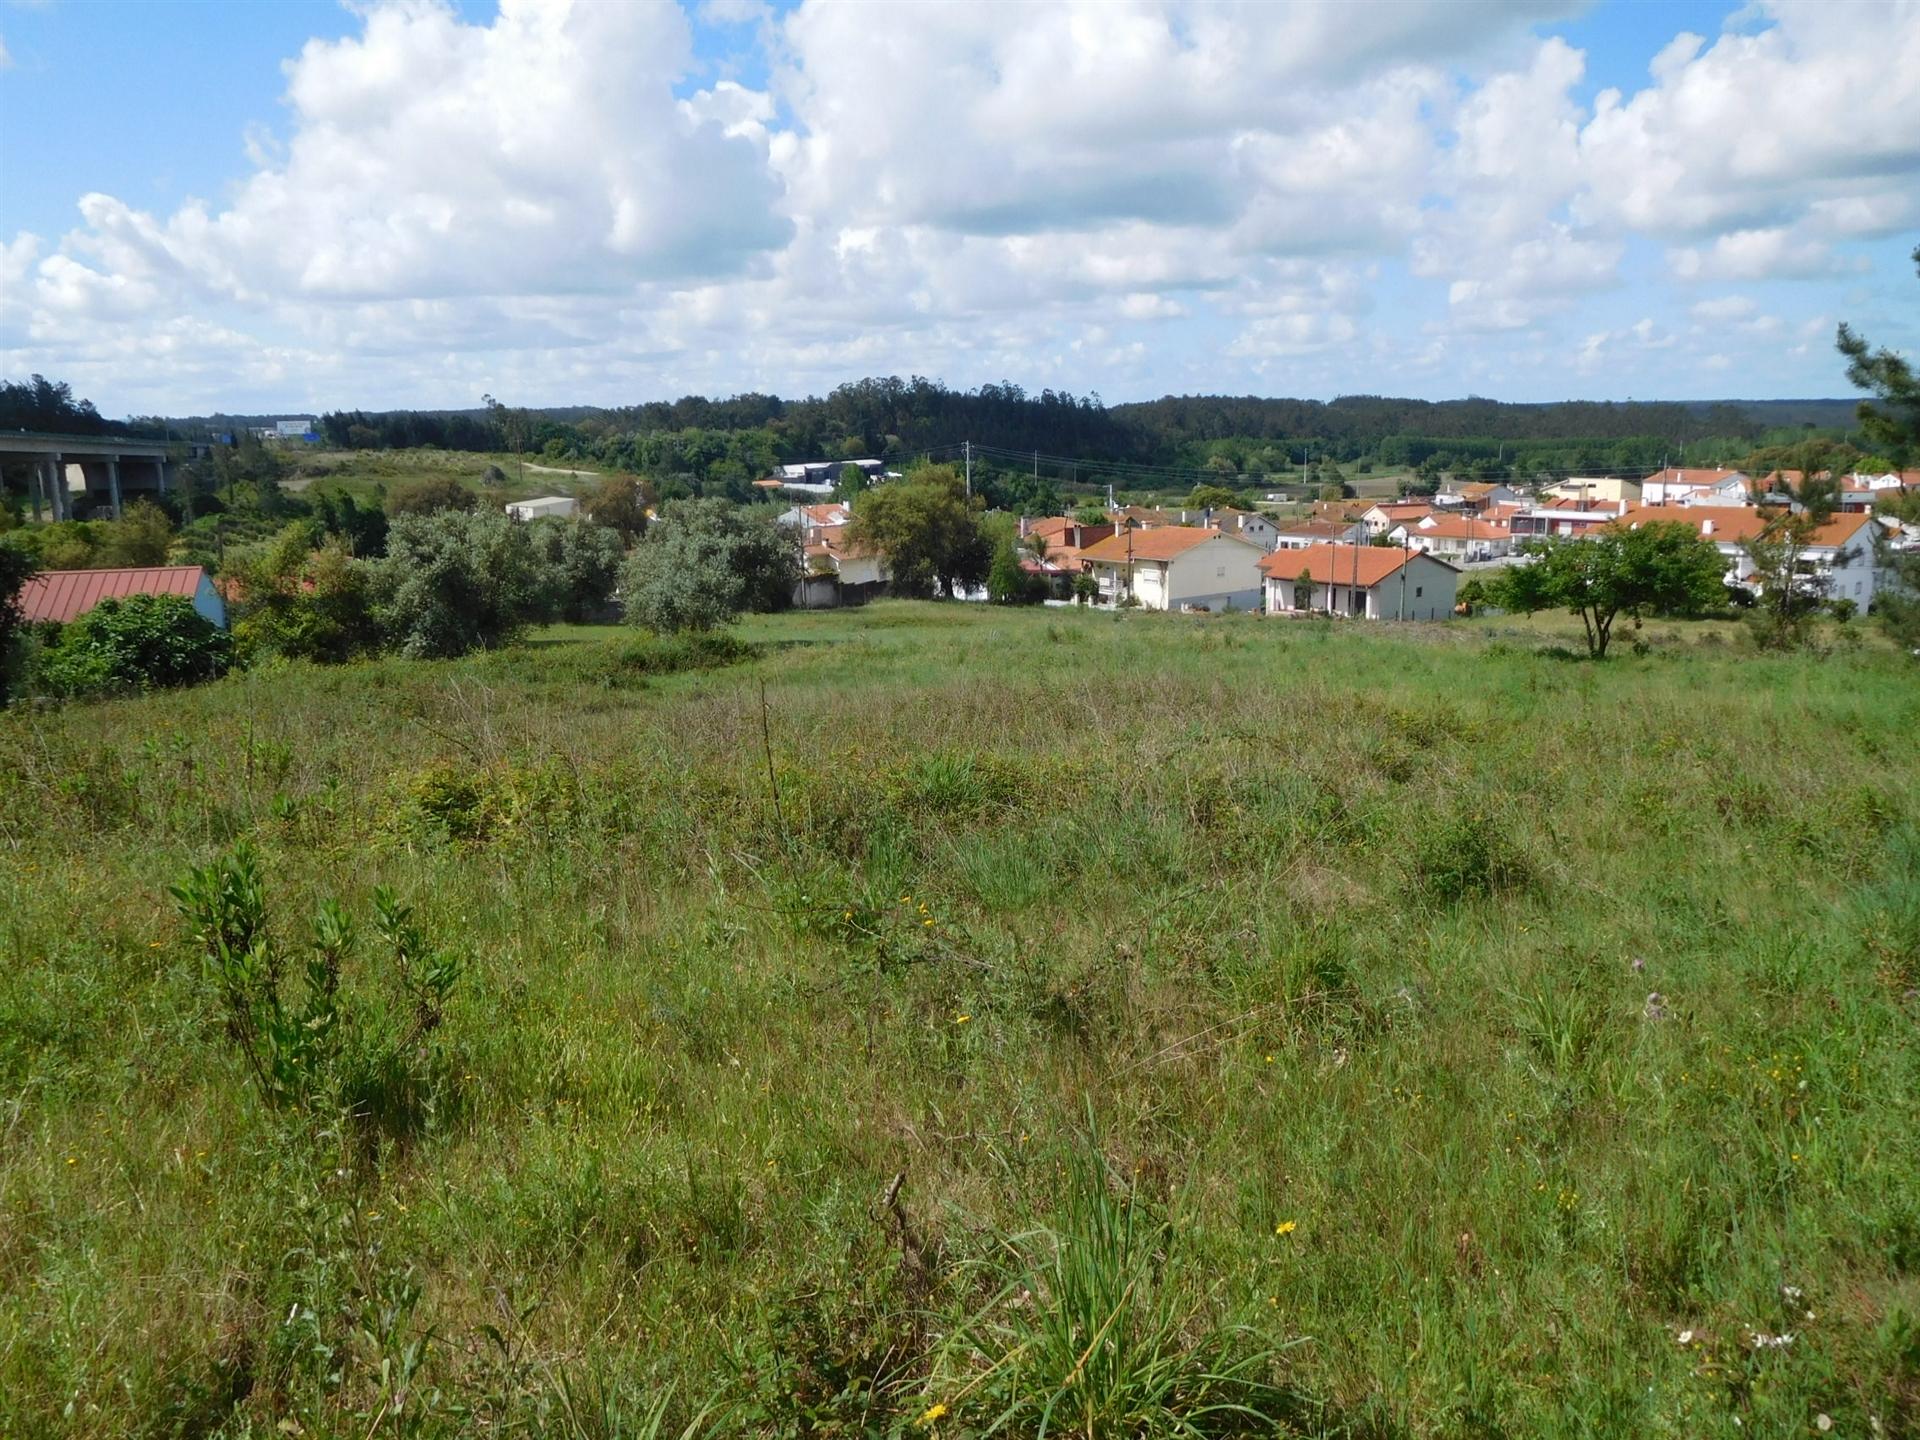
[[458, 581], [703, 564], [377, 1063], [141, 642], [1471, 854], [312, 605]]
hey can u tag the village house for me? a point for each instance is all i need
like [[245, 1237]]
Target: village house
[[1381, 518], [1054, 546], [1473, 496], [1563, 519], [833, 569], [1175, 567], [1139, 517], [1365, 581], [1299, 534], [1677, 485], [64, 595], [1457, 539], [1610, 488], [1841, 556], [1247, 524]]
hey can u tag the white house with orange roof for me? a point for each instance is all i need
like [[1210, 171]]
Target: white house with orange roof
[[1841, 556], [1457, 539], [1299, 534], [1174, 567], [1381, 518], [1374, 582], [833, 569]]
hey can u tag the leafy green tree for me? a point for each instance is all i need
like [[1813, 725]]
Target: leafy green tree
[[1008, 583], [458, 581], [1894, 423], [1791, 595], [1215, 497], [63, 544], [361, 528], [138, 642], [704, 563], [303, 603], [1092, 515], [853, 480], [16, 568], [583, 560], [928, 529], [1666, 568], [139, 538], [620, 503], [431, 494]]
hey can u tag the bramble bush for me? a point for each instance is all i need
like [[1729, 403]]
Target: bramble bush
[[139, 642]]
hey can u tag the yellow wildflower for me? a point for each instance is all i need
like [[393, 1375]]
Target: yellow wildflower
[[933, 1412], [1286, 1227], [961, 1019]]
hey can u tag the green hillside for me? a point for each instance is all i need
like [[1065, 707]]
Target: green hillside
[[934, 1016]]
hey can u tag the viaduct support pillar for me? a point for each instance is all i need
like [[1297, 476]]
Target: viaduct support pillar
[[113, 482]]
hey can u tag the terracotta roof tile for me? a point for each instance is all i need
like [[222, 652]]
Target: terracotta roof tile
[[1339, 563], [1737, 524], [1163, 542]]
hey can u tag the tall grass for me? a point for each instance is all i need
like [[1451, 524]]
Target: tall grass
[[1476, 1042]]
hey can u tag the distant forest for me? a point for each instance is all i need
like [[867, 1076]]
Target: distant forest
[[697, 445], [701, 445]]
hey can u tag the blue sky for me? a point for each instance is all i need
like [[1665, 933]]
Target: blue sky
[[299, 205]]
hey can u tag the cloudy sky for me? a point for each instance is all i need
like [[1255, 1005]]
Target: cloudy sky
[[302, 205]]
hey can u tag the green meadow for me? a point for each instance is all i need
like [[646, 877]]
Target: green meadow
[[936, 1020]]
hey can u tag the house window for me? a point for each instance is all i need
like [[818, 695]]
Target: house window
[[1221, 572], [1418, 591]]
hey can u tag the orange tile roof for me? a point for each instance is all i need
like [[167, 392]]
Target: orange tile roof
[[1454, 527], [67, 594], [1339, 563], [1163, 542], [1738, 524]]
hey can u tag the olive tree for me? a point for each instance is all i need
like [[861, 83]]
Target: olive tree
[[703, 563], [456, 581], [1665, 568]]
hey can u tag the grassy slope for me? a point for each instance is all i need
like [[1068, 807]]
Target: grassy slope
[[1322, 927], [361, 473]]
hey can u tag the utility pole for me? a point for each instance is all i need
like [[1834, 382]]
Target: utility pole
[[1353, 590], [967, 449]]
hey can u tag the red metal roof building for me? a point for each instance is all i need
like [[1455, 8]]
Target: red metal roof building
[[65, 595]]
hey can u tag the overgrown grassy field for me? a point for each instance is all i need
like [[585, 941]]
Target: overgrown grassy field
[[1279, 1029], [362, 473]]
